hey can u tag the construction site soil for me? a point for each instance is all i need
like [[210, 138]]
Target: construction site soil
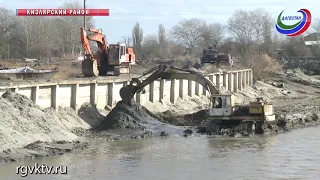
[[29, 131]]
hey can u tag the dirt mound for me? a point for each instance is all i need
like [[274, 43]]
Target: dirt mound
[[23, 122], [131, 116], [298, 76]]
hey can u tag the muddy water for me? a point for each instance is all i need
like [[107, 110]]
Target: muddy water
[[293, 155]]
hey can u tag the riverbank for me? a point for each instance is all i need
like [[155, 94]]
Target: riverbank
[[28, 131]]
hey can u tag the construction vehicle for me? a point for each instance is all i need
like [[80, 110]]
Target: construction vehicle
[[222, 112], [109, 57], [213, 56]]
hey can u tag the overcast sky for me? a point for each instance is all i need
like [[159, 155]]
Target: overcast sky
[[124, 14]]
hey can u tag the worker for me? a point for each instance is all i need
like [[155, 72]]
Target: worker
[[219, 105]]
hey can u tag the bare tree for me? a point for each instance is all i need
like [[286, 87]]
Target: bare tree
[[188, 32], [72, 26], [316, 25], [127, 40], [7, 25], [250, 28], [213, 34], [162, 41], [137, 37], [150, 47]]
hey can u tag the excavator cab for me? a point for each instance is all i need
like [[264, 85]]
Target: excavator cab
[[223, 104], [114, 54]]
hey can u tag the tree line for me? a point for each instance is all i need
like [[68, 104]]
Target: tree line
[[246, 33], [40, 37]]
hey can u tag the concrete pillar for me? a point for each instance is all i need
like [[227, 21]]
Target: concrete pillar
[[93, 94], [211, 78], [243, 78], [224, 80], [235, 80], [35, 94], [138, 98], [248, 77], [190, 88], [204, 91], [240, 80], [110, 95], [251, 78], [151, 92], [230, 81], [54, 96], [161, 90], [218, 81], [181, 88], [172, 90], [74, 96], [197, 89]]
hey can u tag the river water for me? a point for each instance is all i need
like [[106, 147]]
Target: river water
[[293, 155]]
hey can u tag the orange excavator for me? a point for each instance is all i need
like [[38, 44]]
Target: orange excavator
[[109, 57]]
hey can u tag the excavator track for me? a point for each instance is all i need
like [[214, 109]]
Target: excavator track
[[90, 68]]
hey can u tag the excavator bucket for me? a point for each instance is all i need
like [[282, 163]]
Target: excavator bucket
[[90, 68]]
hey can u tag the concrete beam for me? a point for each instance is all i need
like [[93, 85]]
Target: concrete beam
[[190, 88], [35, 94], [204, 91], [240, 80], [245, 78], [230, 81], [138, 98], [54, 96], [74, 96], [161, 90], [172, 91], [235, 82], [224, 80], [218, 81], [93, 94], [251, 78], [151, 92], [181, 88], [211, 78], [110, 95], [196, 91]]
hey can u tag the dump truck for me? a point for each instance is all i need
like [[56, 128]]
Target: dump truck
[[222, 112], [213, 56], [116, 58]]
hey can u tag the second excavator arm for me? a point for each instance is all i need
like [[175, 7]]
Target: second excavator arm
[[96, 36]]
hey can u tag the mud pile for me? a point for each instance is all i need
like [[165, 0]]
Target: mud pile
[[130, 116], [23, 122], [288, 122]]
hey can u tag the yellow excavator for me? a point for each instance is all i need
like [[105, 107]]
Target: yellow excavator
[[222, 111]]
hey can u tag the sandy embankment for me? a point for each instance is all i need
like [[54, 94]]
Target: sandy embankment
[[22, 122]]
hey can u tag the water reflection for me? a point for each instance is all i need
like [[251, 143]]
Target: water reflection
[[291, 155]]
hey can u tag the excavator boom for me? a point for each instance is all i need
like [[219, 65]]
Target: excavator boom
[[165, 72]]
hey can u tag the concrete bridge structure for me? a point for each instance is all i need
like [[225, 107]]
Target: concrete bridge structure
[[105, 93]]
